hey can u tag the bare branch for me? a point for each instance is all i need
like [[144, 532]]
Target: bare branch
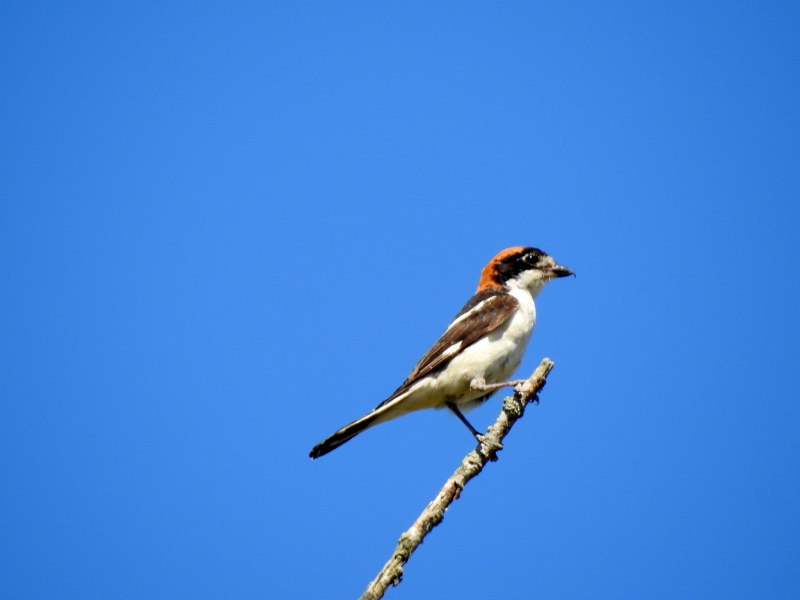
[[473, 463]]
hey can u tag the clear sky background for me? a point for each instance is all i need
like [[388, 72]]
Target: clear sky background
[[228, 230]]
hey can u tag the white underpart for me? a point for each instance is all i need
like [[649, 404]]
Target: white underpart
[[493, 358]]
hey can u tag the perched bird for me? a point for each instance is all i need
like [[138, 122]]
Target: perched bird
[[477, 353]]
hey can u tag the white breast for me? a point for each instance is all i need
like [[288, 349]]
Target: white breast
[[493, 358], [503, 349]]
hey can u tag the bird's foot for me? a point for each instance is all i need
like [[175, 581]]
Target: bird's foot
[[489, 447], [479, 385]]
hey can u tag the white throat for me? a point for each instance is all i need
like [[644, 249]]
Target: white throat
[[529, 281]]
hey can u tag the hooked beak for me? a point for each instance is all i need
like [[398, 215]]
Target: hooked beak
[[560, 271]]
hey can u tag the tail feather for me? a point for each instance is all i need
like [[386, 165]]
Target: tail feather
[[345, 434]]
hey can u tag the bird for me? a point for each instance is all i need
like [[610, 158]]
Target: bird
[[480, 349]]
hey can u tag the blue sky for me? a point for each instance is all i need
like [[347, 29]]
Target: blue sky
[[227, 230]]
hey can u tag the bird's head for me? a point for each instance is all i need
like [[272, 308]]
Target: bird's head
[[521, 267]]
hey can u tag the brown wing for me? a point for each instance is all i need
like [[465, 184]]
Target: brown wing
[[485, 312]]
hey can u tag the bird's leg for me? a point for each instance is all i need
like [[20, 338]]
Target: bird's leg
[[479, 384], [456, 412]]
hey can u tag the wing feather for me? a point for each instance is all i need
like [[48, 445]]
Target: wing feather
[[485, 312]]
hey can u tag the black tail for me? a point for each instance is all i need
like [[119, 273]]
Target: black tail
[[346, 433]]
